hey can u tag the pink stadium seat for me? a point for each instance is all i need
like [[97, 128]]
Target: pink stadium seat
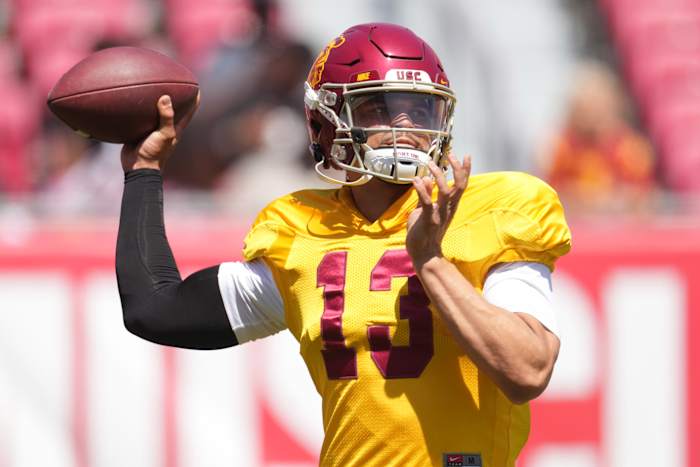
[[665, 123], [48, 25], [197, 28], [8, 60], [54, 35], [126, 19], [667, 33], [682, 165], [45, 69], [659, 41], [42, 29], [675, 131], [19, 123], [660, 77]]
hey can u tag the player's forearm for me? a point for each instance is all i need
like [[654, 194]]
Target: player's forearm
[[157, 305], [498, 341]]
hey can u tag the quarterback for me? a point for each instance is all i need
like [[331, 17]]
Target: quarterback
[[422, 306]]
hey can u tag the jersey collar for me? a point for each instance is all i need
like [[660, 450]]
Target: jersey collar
[[393, 219]]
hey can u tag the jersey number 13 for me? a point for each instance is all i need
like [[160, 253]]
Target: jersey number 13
[[393, 361]]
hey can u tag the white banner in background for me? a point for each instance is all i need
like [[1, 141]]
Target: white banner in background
[[77, 390]]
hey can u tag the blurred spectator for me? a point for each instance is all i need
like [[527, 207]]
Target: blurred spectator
[[245, 84], [77, 177], [598, 163], [241, 192], [56, 152], [250, 75]]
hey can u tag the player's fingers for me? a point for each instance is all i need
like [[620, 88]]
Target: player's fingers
[[413, 216], [420, 189], [439, 177], [167, 117], [458, 187], [459, 171], [424, 187], [467, 163], [444, 192]]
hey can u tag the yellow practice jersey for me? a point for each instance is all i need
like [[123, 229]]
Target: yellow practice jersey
[[396, 388]]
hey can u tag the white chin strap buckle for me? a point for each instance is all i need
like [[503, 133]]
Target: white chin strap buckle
[[400, 167]]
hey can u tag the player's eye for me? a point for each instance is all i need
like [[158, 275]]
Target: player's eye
[[420, 116], [373, 114], [379, 110]]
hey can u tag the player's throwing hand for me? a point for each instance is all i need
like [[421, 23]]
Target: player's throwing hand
[[156, 148], [428, 223]]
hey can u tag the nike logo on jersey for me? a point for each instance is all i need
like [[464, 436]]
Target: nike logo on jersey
[[462, 460]]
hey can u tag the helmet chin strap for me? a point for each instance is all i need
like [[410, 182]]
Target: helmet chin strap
[[360, 181]]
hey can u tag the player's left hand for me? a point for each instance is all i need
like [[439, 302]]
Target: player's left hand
[[428, 223]]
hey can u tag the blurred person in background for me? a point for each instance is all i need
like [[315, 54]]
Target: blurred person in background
[[70, 173], [598, 163], [251, 51], [231, 124], [380, 280]]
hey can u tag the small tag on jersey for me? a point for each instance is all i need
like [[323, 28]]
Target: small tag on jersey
[[459, 459]]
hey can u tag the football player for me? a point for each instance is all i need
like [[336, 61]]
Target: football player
[[422, 307]]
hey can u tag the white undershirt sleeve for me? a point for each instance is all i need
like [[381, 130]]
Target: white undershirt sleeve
[[253, 303], [525, 287]]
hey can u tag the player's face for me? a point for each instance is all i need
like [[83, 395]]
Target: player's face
[[408, 110]]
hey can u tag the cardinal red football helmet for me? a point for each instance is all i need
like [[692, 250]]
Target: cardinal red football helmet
[[378, 82]]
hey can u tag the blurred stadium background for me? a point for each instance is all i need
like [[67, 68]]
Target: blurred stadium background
[[600, 98]]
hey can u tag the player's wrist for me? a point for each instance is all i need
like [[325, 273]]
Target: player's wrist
[[132, 161], [426, 259], [146, 164]]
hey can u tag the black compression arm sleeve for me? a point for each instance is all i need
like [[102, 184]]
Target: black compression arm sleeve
[[157, 304]]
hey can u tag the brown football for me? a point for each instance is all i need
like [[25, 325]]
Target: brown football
[[111, 95]]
